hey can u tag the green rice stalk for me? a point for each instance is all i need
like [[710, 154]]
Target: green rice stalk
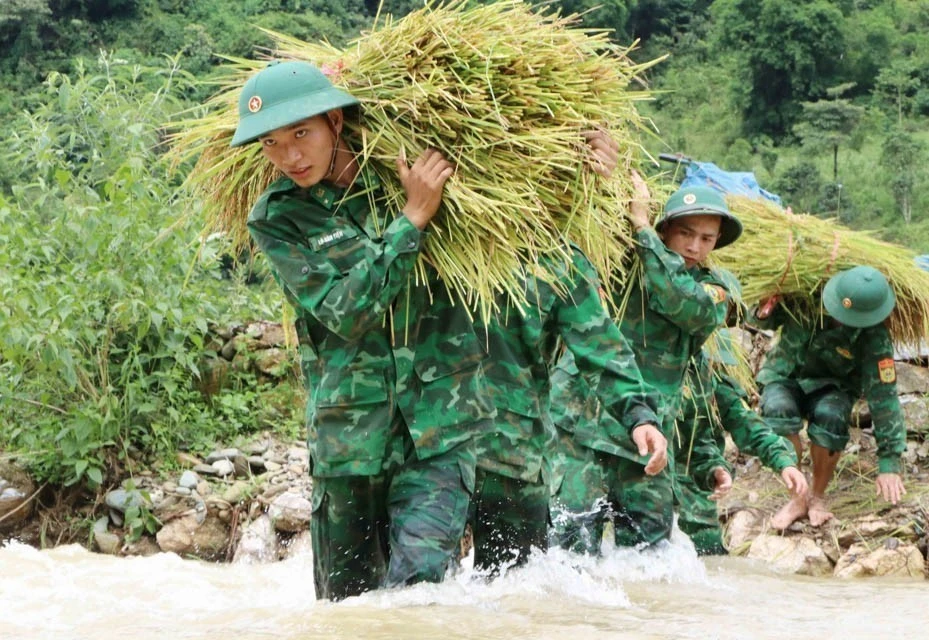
[[504, 91], [793, 255]]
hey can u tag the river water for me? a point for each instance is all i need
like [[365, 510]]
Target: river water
[[69, 593]]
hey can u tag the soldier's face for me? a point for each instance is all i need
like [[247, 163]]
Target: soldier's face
[[693, 237], [302, 151]]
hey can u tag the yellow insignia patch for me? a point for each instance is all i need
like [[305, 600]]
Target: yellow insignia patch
[[845, 353], [717, 294], [886, 370]]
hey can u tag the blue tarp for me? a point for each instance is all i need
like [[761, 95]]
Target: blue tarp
[[741, 183]]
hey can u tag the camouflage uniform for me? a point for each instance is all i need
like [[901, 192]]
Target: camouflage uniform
[[818, 373], [510, 508], [396, 391], [666, 321], [714, 402]]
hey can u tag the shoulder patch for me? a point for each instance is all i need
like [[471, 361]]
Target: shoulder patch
[[716, 293], [886, 370], [845, 353]]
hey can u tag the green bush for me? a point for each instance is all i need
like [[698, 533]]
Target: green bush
[[103, 314]]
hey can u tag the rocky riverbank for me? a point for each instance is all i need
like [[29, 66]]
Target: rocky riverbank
[[250, 501]]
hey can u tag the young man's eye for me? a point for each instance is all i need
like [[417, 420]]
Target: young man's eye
[[267, 142], [299, 133]]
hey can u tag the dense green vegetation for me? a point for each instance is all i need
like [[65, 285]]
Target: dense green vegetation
[[103, 315]]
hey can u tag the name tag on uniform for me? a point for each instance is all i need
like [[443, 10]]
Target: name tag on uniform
[[331, 237], [886, 370]]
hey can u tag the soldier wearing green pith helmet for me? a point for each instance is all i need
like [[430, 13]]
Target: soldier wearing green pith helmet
[[819, 368], [667, 317], [396, 390]]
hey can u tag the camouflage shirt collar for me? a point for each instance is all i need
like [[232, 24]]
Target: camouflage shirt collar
[[328, 195]]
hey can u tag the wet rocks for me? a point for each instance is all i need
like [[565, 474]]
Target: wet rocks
[[16, 490], [889, 559], [791, 555]]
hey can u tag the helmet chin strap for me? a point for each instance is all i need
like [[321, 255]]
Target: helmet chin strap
[[336, 138]]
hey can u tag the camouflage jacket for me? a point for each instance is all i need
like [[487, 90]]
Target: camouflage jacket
[[712, 404], [373, 339], [858, 361], [669, 316], [522, 344]]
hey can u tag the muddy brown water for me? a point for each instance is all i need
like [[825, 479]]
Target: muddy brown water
[[69, 593]]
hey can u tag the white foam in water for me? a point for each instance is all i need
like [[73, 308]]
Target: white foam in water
[[593, 580]]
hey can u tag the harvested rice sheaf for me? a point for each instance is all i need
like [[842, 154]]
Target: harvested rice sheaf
[[793, 255], [505, 92]]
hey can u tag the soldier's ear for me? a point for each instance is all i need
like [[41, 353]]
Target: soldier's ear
[[336, 120]]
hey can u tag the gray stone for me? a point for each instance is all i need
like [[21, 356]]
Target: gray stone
[[893, 559], [206, 539], [912, 379], [105, 541], [224, 468], [915, 413], [223, 454], [740, 529], [290, 512], [16, 490], [259, 543], [793, 554], [121, 499], [188, 479]]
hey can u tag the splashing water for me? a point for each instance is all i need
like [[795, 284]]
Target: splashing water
[[69, 593]]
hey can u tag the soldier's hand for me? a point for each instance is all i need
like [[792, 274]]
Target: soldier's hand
[[649, 439], [723, 483], [603, 152], [638, 206], [423, 183], [890, 487], [795, 481]]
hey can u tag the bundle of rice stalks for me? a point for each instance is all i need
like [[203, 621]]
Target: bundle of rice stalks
[[793, 255], [505, 93]]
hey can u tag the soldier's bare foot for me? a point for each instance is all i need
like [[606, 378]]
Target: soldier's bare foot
[[790, 513], [818, 511]]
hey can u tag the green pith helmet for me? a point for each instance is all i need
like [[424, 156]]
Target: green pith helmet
[[281, 94], [702, 201], [859, 297]]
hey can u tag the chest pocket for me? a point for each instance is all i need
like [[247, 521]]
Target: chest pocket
[[342, 245]]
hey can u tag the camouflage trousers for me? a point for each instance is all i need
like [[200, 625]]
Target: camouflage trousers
[[508, 518], [597, 488], [828, 411], [396, 528], [697, 516]]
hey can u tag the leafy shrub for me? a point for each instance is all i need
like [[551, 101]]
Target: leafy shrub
[[103, 315]]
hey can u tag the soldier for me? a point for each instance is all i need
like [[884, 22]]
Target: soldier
[[511, 504], [510, 507], [816, 371], [713, 404], [666, 320], [393, 369]]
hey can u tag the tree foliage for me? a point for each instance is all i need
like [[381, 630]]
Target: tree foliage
[[789, 49]]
